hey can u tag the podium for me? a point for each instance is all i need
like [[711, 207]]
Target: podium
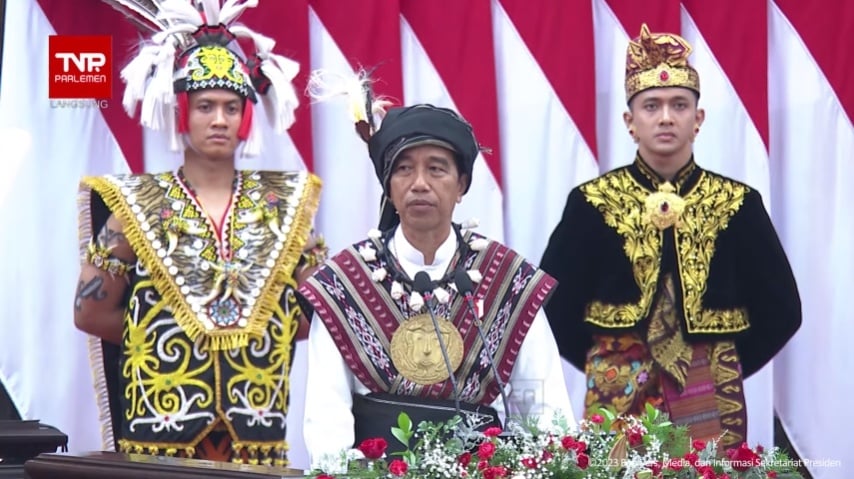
[[110, 465], [24, 440]]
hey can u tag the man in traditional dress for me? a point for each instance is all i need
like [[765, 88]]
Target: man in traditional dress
[[373, 348], [673, 285], [193, 272]]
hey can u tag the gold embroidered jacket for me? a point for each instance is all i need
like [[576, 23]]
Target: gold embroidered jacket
[[622, 231], [211, 315]]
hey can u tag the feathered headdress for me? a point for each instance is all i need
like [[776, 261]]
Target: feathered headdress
[[192, 48]]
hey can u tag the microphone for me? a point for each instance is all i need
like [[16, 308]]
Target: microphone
[[466, 288], [424, 285]]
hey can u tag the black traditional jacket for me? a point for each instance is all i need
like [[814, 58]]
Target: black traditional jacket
[[732, 277]]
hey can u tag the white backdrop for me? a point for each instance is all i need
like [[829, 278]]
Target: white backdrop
[[542, 83]]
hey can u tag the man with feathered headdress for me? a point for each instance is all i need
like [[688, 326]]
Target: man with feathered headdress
[[192, 272], [467, 338], [673, 285]]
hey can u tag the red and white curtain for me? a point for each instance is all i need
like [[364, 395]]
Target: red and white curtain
[[542, 83]]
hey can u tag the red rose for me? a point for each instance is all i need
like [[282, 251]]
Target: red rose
[[398, 467], [464, 459], [583, 460], [676, 464], [692, 458], [568, 443], [325, 476], [655, 467], [482, 464], [492, 431], [571, 444], [547, 456], [743, 458], [486, 450], [698, 445], [772, 474], [373, 448], [597, 419], [723, 475], [494, 472], [635, 437], [706, 472], [529, 462]]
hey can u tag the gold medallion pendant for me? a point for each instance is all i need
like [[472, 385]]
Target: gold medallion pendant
[[664, 207], [416, 353]]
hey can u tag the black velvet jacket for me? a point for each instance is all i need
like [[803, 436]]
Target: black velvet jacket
[[732, 277]]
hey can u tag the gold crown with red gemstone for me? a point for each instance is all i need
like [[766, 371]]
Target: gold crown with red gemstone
[[656, 60]]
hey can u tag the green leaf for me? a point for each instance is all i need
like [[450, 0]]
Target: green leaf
[[404, 422], [401, 435], [608, 414]]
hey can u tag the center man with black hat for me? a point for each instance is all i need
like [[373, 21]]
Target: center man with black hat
[[374, 350]]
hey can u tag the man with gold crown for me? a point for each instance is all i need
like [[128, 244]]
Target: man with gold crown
[[192, 273], [673, 285]]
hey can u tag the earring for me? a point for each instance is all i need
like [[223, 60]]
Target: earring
[[696, 129]]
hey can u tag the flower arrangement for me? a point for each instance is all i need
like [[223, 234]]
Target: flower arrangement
[[605, 446]]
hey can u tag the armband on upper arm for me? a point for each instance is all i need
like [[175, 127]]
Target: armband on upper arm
[[316, 254], [101, 257]]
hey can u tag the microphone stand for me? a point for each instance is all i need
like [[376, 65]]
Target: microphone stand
[[465, 287], [422, 284]]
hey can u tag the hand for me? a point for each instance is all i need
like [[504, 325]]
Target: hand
[[303, 272]]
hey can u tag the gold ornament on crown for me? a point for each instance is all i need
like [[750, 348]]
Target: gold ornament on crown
[[656, 60]]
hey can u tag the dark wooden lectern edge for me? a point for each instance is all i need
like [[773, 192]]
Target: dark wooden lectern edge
[[112, 465]]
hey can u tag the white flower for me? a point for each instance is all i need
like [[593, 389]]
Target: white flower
[[333, 463], [470, 223], [479, 244], [396, 290], [374, 233], [379, 274], [416, 301], [354, 455], [474, 275], [441, 295], [368, 252]]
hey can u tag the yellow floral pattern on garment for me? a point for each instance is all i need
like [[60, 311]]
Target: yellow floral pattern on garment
[[709, 206]]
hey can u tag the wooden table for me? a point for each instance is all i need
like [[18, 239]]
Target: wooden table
[[112, 465]]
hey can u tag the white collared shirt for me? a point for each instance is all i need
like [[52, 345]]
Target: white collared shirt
[[537, 379]]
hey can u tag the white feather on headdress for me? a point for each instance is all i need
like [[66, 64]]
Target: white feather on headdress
[[324, 85], [142, 13], [232, 9], [281, 100]]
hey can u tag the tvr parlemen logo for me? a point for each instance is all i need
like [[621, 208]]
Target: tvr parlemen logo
[[80, 66], [87, 67]]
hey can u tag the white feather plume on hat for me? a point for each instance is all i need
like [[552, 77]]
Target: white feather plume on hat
[[150, 76]]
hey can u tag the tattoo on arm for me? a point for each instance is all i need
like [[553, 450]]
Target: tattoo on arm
[[109, 237], [89, 290]]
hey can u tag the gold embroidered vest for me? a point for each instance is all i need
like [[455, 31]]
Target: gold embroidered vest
[[704, 212]]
